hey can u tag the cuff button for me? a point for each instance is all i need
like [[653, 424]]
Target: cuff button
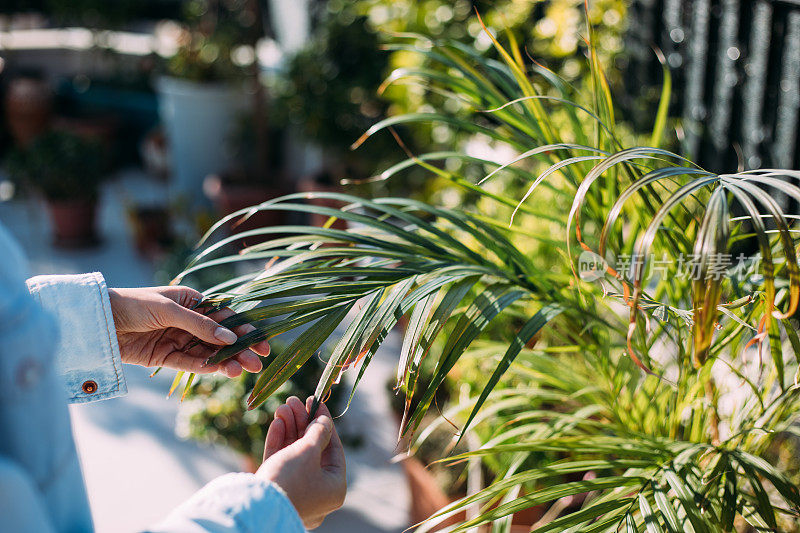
[[89, 386]]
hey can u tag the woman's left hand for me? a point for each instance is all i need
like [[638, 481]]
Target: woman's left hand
[[156, 327]]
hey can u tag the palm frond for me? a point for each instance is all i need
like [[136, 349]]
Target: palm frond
[[607, 392]]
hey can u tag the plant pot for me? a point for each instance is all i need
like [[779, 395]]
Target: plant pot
[[29, 103], [152, 233], [427, 497], [231, 196], [198, 121], [98, 129], [74, 222]]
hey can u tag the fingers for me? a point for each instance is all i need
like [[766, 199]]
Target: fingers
[[262, 348], [318, 434], [179, 360], [207, 329], [231, 368], [187, 298], [249, 361], [199, 353], [300, 414], [182, 295], [333, 455], [284, 412], [276, 437], [289, 424], [190, 363], [336, 442], [201, 326], [322, 409]]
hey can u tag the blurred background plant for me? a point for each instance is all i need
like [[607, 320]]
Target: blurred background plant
[[329, 92], [60, 166], [67, 171], [549, 32], [212, 36]]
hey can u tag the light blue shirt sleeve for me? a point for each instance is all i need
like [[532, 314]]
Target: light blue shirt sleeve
[[41, 487], [21, 506], [234, 503], [88, 355]]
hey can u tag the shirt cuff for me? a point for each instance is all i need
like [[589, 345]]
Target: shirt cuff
[[88, 355], [234, 503]]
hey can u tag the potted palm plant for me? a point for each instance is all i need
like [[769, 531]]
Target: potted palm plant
[[202, 92], [66, 170], [257, 175], [658, 374]]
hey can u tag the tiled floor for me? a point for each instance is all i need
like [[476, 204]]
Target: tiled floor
[[136, 469]]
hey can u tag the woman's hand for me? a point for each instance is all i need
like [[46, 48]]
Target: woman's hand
[[155, 327], [306, 460]]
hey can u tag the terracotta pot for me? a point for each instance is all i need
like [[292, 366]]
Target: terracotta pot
[[74, 222], [151, 230], [229, 197], [29, 103], [427, 497]]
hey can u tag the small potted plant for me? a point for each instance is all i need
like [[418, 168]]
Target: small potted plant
[[67, 171], [202, 91], [258, 174]]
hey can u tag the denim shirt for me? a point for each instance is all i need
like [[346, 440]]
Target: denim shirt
[[58, 345]]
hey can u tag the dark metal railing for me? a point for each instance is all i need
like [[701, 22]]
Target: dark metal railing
[[736, 73]]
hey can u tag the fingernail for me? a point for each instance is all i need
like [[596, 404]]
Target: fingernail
[[324, 420], [225, 335]]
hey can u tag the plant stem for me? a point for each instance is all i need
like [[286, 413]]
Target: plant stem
[[711, 396]]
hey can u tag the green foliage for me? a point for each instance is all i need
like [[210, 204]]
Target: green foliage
[[329, 89], [201, 59], [60, 165], [550, 32], [649, 398], [214, 32]]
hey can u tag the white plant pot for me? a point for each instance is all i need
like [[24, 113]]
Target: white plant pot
[[198, 119]]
